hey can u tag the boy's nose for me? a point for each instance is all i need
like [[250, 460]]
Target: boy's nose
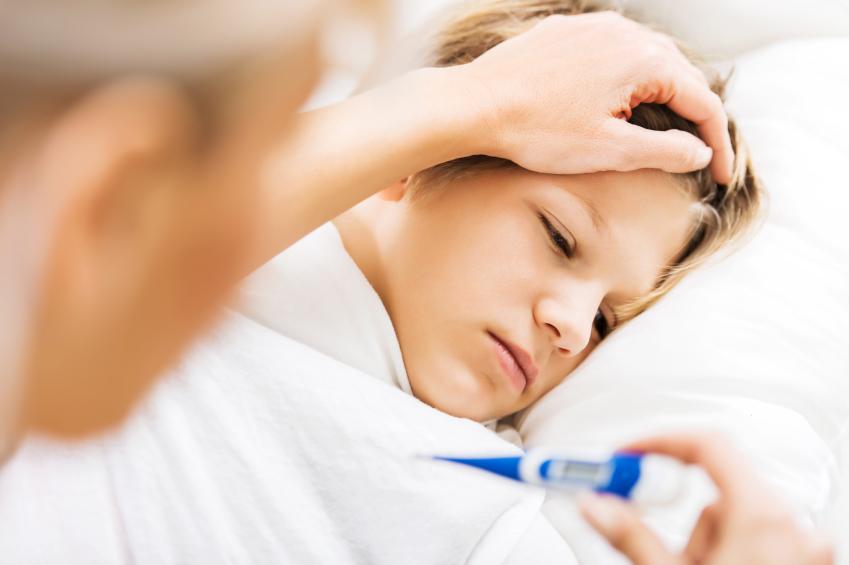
[[568, 320]]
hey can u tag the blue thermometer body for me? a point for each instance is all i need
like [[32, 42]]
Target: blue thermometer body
[[649, 479]]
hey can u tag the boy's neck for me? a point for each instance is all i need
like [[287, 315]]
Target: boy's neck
[[356, 228]]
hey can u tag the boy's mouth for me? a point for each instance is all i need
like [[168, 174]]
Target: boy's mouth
[[516, 363]]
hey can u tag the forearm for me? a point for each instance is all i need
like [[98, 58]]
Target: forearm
[[341, 155], [547, 99]]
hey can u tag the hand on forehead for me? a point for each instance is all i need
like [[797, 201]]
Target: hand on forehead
[[557, 90]]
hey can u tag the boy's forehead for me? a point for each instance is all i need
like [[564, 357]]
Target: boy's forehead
[[647, 217], [56, 41], [633, 194]]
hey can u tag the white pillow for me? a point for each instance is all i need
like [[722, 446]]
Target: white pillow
[[717, 30], [754, 344], [728, 28]]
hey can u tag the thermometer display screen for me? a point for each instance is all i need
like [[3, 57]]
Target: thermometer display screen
[[575, 471]]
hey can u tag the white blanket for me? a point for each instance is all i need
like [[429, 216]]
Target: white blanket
[[316, 294], [260, 449]]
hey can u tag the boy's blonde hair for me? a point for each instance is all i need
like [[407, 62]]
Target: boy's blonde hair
[[724, 212]]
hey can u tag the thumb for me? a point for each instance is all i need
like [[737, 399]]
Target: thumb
[[621, 526], [673, 151]]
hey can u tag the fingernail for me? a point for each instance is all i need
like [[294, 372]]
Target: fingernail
[[601, 511], [704, 156]]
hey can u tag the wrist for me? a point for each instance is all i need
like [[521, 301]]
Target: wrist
[[456, 118]]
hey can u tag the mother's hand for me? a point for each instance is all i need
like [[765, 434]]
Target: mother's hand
[[550, 99], [746, 525]]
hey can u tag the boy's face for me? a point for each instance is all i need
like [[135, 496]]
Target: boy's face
[[480, 263], [141, 211]]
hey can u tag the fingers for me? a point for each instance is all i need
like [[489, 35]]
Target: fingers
[[747, 520], [621, 64], [689, 95], [622, 528], [693, 100], [704, 534], [673, 151], [726, 466]]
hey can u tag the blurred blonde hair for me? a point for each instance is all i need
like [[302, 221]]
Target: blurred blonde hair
[[723, 213]]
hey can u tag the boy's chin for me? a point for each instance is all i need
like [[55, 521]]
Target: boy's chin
[[474, 403]]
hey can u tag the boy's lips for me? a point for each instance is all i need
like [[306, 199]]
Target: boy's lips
[[516, 362]]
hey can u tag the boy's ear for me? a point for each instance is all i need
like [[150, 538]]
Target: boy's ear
[[396, 191]]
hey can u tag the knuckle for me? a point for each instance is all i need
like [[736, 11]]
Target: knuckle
[[652, 59], [700, 75], [717, 107], [692, 160], [717, 100]]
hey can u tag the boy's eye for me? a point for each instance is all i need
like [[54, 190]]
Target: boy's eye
[[601, 325], [557, 238]]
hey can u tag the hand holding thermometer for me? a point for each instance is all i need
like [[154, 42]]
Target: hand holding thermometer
[[645, 479]]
